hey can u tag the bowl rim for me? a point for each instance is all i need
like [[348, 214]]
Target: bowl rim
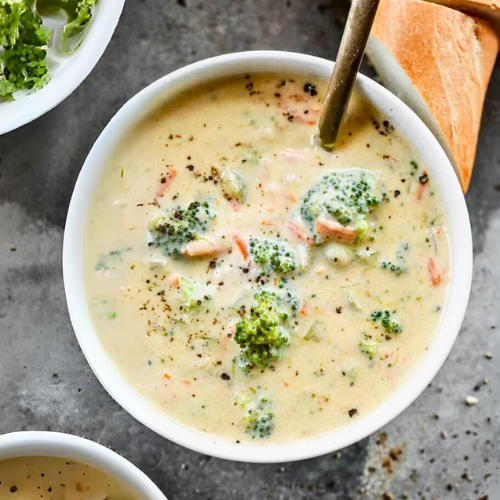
[[61, 445], [405, 120], [15, 114]]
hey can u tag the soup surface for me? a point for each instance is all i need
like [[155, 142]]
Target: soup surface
[[50, 478], [252, 285]]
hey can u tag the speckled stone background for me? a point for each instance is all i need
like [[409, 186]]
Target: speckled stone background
[[438, 449]]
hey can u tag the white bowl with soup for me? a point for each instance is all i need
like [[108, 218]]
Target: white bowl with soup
[[243, 292], [54, 465]]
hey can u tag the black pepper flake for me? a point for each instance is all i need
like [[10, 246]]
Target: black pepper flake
[[397, 192], [190, 167], [339, 310], [424, 178], [13, 489], [225, 376], [163, 180], [352, 412], [309, 88]]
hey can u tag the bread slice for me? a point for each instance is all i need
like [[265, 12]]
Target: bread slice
[[439, 61], [487, 9]]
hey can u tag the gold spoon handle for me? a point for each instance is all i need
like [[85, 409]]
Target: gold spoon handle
[[352, 47]]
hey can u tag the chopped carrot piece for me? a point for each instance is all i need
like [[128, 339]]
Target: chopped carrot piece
[[235, 205], [186, 382], [286, 384], [420, 191], [167, 376], [300, 232], [165, 181], [204, 248], [290, 197], [297, 97], [391, 158], [434, 275], [266, 222], [174, 280], [304, 310], [332, 229], [241, 243]]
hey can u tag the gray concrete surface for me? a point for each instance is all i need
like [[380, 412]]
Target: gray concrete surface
[[45, 383]]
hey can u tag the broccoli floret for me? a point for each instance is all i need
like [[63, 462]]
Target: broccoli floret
[[78, 12], [109, 261], [259, 416], [384, 319], [394, 268], [193, 294], [400, 268], [273, 256], [369, 346], [260, 334], [233, 184], [346, 196], [179, 226]]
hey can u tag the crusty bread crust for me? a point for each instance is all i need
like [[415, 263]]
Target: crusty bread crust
[[487, 9], [449, 57]]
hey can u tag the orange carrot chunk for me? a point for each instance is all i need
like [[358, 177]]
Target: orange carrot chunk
[[165, 181], [242, 244], [300, 233], [204, 248], [332, 229], [304, 309], [434, 275]]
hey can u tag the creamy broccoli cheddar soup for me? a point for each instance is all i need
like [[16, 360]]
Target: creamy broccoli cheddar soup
[[35, 478], [253, 285]]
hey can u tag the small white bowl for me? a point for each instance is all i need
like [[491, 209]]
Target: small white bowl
[[67, 72], [406, 122], [55, 444]]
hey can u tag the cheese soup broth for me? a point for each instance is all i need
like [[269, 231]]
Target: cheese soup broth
[[252, 285], [35, 478]]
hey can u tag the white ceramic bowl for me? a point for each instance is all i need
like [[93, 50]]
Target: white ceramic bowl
[[404, 120], [55, 444], [66, 72]]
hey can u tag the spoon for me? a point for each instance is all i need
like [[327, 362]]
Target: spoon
[[351, 51]]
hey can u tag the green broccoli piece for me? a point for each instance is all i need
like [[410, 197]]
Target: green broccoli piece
[[394, 268], [401, 254], [346, 196], [260, 334], [192, 294], [258, 417], [109, 261], [233, 184], [369, 346], [384, 319], [179, 226], [79, 14], [273, 256]]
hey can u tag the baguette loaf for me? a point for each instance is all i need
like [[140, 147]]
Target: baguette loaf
[[439, 61]]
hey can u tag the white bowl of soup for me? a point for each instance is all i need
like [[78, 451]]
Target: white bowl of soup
[[248, 295], [54, 465]]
